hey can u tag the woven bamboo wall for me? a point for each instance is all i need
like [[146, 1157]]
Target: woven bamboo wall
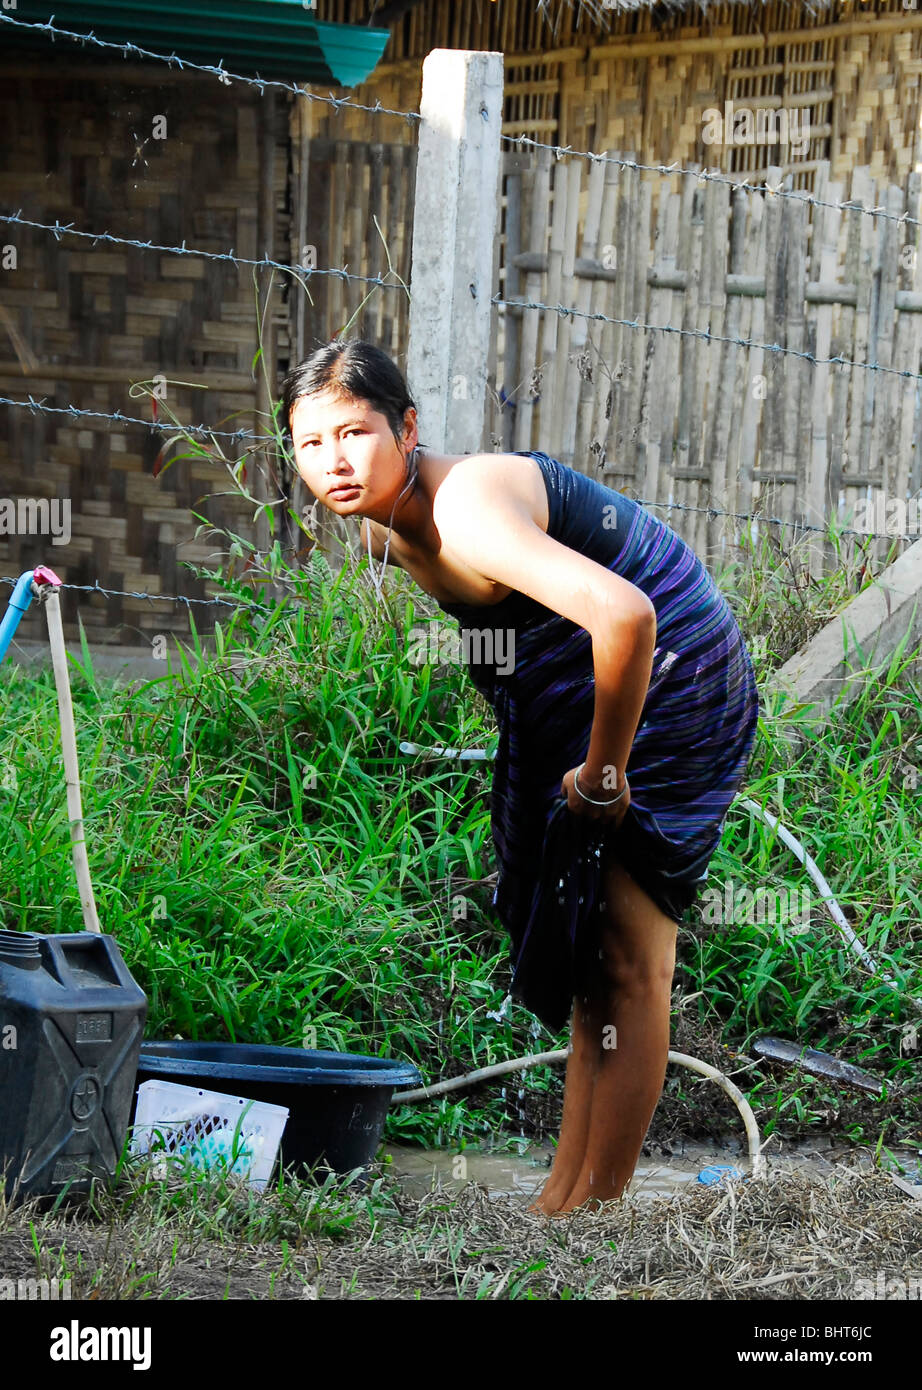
[[84, 321]]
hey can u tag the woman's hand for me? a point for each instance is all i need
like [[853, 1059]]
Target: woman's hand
[[598, 792]]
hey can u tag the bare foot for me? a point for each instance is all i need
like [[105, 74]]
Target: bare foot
[[542, 1207], [551, 1212], [549, 1200], [540, 1210], [581, 1196]]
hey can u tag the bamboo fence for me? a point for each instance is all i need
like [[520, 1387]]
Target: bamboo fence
[[681, 416], [660, 414]]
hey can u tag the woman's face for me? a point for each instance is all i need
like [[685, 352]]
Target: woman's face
[[341, 443]]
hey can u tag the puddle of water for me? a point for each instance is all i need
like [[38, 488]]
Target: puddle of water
[[418, 1170]]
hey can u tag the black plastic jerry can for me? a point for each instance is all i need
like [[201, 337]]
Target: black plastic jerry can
[[71, 1025]]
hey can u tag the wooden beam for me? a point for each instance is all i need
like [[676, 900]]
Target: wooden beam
[[554, 55], [751, 286]]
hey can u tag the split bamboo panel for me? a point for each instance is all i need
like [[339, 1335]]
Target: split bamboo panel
[[709, 388], [844, 89]]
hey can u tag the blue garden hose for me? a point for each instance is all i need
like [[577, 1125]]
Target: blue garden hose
[[26, 588], [23, 593], [19, 604]]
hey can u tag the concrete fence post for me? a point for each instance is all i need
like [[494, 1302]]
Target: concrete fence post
[[866, 633], [455, 226]]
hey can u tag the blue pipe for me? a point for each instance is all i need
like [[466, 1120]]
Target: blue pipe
[[19, 603]]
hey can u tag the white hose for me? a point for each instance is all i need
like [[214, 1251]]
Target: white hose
[[756, 1161], [52, 600], [835, 911], [438, 1088]]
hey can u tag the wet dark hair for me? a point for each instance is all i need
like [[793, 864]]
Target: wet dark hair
[[355, 369]]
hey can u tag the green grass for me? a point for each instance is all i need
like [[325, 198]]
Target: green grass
[[276, 871]]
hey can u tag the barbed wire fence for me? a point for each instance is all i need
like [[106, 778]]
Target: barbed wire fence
[[338, 103], [302, 274], [711, 176]]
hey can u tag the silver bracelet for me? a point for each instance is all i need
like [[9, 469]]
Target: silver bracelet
[[592, 801]]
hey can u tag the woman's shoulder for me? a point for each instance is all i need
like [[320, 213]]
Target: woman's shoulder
[[509, 476]]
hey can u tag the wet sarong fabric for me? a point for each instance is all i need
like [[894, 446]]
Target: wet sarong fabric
[[687, 761]]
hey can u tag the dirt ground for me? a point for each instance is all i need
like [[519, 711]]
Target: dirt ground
[[849, 1234]]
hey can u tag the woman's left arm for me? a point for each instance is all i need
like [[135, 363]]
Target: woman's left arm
[[622, 655], [486, 526]]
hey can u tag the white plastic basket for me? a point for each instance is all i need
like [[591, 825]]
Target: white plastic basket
[[206, 1127]]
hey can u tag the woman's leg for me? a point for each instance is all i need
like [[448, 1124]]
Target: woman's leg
[[634, 995], [577, 1098]]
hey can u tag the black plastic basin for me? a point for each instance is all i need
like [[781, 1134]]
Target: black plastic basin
[[337, 1101]]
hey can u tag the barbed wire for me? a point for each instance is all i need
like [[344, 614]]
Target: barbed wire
[[16, 219], [97, 588], [710, 511], [565, 312], [57, 229], [214, 602], [117, 416], [779, 521], [705, 176], [216, 70]]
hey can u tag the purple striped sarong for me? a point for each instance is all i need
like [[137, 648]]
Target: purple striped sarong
[[687, 761]]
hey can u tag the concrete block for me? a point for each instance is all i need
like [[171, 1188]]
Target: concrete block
[[865, 633]]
